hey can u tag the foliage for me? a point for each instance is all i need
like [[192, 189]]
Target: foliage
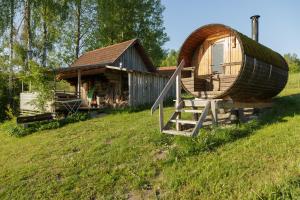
[[124, 20], [293, 81], [8, 106], [170, 59], [41, 81], [20, 131], [293, 62], [3, 96], [64, 85], [86, 12]]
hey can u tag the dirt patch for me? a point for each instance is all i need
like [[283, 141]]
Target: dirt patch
[[160, 154], [108, 141]]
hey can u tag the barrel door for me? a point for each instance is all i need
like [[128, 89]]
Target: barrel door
[[218, 58]]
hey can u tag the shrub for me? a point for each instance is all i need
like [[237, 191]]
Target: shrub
[[20, 131]]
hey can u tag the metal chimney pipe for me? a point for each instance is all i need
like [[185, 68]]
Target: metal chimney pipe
[[254, 24]]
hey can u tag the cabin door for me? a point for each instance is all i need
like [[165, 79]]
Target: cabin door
[[217, 58]]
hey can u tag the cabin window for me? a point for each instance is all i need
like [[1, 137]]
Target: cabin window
[[217, 58]]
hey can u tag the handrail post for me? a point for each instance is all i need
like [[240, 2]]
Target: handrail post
[[168, 86], [178, 98], [161, 116]]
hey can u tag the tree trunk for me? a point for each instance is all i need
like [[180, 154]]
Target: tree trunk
[[28, 41], [10, 79], [45, 39], [78, 33]]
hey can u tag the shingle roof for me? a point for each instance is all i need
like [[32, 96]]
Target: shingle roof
[[105, 55]]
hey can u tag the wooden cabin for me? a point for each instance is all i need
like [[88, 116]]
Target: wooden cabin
[[117, 75]]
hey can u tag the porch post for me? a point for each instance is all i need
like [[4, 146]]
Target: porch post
[[130, 98], [79, 83]]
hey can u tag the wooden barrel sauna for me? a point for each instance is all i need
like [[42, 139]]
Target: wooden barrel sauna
[[222, 63]]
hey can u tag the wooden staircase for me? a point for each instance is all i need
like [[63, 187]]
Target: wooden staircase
[[194, 107], [192, 125]]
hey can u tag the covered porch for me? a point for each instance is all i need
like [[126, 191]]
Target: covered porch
[[110, 86], [96, 86]]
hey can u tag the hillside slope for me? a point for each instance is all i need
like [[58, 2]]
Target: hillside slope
[[123, 156]]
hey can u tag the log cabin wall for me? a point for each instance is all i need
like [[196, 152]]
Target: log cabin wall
[[144, 88], [131, 60], [232, 55]]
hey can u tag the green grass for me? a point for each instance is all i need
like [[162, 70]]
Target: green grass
[[123, 155]]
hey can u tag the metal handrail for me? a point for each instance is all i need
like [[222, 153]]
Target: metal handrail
[[164, 92]]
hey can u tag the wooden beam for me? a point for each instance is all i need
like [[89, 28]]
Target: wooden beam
[[34, 118], [214, 111], [79, 83], [236, 104], [130, 98], [178, 99], [201, 119], [74, 74], [161, 117]]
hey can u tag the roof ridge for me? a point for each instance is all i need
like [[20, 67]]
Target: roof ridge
[[112, 45]]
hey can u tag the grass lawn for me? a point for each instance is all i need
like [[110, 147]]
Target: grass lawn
[[124, 156]]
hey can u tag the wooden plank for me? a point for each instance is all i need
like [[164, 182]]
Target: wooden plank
[[130, 97], [182, 121], [214, 111], [228, 104], [178, 98], [34, 118], [79, 83], [161, 117], [173, 132], [74, 74], [194, 103], [201, 119], [189, 111]]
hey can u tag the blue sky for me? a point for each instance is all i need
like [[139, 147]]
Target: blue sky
[[279, 22]]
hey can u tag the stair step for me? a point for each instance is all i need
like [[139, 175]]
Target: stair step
[[194, 103], [181, 121], [174, 132], [189, 111]]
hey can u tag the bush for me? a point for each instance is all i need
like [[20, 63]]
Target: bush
[[20, 131]]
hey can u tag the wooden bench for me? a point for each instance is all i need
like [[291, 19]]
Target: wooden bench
[[34, 118]]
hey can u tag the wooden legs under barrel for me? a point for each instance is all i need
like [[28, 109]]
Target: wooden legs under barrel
[[237, 115]]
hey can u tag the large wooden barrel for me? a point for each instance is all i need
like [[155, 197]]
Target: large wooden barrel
[[224, 63]]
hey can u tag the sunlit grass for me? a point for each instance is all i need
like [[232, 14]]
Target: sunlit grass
[[123, 155]]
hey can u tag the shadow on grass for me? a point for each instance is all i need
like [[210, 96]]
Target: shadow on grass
[[168, 102], [212, 138]]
